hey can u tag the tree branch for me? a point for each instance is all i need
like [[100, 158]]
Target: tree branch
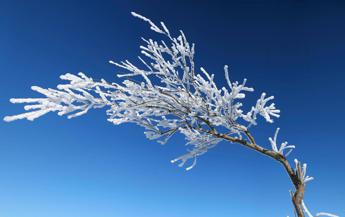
[[297, 197]]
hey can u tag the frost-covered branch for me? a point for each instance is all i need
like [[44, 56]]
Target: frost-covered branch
[[73, 99], [283, 146], [166, 95], [318, 214], [301, 172]]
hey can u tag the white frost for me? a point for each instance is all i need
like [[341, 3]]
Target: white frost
[[282, 147], [167, 95]]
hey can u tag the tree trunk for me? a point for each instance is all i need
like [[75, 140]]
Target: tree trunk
[[297, 200]]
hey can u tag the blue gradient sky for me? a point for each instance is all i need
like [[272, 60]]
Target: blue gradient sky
[[55, 167]]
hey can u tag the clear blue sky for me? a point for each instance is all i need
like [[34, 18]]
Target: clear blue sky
[[55, 167]]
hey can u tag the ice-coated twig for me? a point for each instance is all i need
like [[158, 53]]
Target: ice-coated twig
[[301, 172], [325, 214], [75, 98], [265, 111], [283, 146], [318, 214]]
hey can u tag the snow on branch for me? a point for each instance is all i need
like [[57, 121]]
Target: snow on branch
[[74, 99], [265, 111], [166, 95], [284, 146], [318, 214], [301, 172]]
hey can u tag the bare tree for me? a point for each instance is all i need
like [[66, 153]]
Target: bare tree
[[169, 96]]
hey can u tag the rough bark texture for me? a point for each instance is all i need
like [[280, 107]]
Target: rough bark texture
[[298, 195]]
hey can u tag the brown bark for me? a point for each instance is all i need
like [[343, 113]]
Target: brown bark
[[298, 195]]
